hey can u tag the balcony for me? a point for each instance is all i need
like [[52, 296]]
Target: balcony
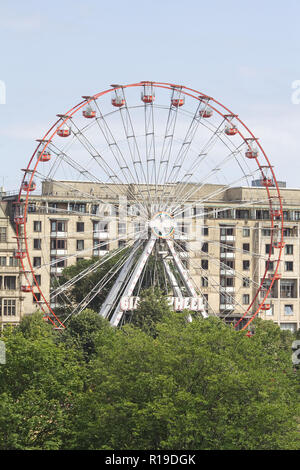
[[58, 252], [101, 235], [227, 238], [58, 234], [228, 255], [227, 307], [227, 289], [227, 272], [100, 252], [56, 270]]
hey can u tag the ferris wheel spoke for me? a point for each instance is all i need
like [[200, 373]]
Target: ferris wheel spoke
[[209, 278], [187, 143], [213, 194], [118, 156], [168, 137], [88, 250], [65, 158], [214, 213], [117, 152], [98, 288], [150, 144], [218, 289], [134, 149], [180, 189], [89, 270]]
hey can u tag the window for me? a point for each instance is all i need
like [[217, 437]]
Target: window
[[36, 297], [246, 247], [288, 309], [77, 207], [122, 228], [3, 234], [268, 248], [38, 278], [242, 214], [10, 282], [58, 226], [204, 281], [227, 281], [104, 246], [95, 209], [13, 261], [270, 265], [32, 207], [58, 262], [227, 231], [52, 207], [37, 226], [121, 243], [205, 231], [37, 262], [288, 288], [289, 265], [205, 247], [37, 244], [246, 265], [9, 307], [246, 282], [266, 232], [297, 215], [246, 299], [56, 244], [289, 249], [80, 226], [246, 232], [79, 245], [2, 260], [262, 214], [204, 264]]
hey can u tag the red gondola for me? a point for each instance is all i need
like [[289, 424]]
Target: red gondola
[[118, 102], [231, 130], [28, 187], [26, 289], [89, 112], [177, 102], [147, 98], [19, 254], [64, 131], [19, 219], [206, 113], [253, 153], [44, 156]]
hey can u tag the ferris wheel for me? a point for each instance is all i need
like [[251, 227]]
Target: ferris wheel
[[151, 171]]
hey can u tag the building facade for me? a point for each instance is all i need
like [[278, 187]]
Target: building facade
[[224, 243]]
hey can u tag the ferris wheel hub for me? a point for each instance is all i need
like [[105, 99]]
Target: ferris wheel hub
[[162, 225]]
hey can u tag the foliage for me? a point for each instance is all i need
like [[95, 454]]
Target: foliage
[[152, 307], [161, 384]]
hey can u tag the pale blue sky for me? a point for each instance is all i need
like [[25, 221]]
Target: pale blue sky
[[246, 54]]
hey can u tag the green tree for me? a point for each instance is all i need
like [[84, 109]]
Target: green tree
[[198, 385], [152, 307], [84, 330], [37, 386]]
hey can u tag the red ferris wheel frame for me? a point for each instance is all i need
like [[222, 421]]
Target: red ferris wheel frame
[[217, 107]]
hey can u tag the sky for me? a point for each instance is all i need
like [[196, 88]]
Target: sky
[[244, 53]]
